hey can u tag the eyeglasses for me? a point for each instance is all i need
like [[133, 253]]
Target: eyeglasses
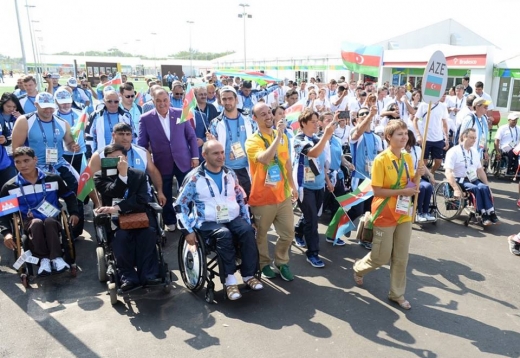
[[362, 114], [130, 96], [116, 101], [178, 94]]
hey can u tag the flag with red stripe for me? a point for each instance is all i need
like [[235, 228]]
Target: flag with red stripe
[[362, 59]]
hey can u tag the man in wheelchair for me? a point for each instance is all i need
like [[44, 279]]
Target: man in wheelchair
[[38, 199], [125, 193], [464, 170], [212, 202], [506, 139]]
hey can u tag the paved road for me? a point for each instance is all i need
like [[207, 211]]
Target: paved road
[[462, 283]]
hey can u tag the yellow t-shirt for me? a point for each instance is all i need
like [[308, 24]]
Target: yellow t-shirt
[[384, 175], [262, 194]]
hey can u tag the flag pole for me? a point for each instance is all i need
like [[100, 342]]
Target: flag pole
[[423, 147]]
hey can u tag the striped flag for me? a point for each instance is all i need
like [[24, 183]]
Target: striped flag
[[80, 125], [362, 59], [188, 105], [115, 82], [292, 113], [258, 77], [85, 182], [433, 86], [340, 225], [363, 192], [8, 205]]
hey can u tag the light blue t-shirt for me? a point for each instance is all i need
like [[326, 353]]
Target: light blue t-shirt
[[236, 132], [28, 104], [217, 178], [42, 135], [363, 150], [302, 144]]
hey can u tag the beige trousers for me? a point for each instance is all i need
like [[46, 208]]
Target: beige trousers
[[389, 244]]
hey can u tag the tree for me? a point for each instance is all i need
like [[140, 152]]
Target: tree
[[196, 55]]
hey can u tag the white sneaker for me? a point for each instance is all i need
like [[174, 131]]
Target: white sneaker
[[59, 264], [45, 267], [420, 218], [170, 228], [430, 217]]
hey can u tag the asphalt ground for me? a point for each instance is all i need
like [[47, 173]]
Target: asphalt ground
[[462, 283]]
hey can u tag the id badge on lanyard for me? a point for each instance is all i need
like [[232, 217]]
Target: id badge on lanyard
[[237, 151], [403, 205], [222, 214], [273, 175], [472, 175], [51, 155], [48, 209]]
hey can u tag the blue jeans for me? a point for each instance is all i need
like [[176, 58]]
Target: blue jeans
[[483, 198], [168, 211], [425, 196]]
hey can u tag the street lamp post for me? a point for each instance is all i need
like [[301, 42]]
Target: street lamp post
[[244, 15], [191, 52], [154, 57], [24, 59], [32, 38]]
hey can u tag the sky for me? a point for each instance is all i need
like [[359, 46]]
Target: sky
[[276, 27]]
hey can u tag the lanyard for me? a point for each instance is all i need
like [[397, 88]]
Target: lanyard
[[425, 113], [229, 129], [415, 157], [460, 104], [211, 189], [516, 134], [132, 158], [71, 114], [267, 145], [110, 121], [45, 135], [400, 170], [465, 159], [44, 190], [332, 93], [31, 100]]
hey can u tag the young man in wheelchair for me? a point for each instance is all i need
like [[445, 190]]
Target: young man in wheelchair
[[212, 202], [38, 199], [124, 193], [464, 170]]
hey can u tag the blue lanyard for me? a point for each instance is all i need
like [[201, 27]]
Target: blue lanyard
[[211, 189], [132, 159], [405, 168], [516, 134], [71, 114], [229, 129], [44, 190], [45, 135], [110, 121], [465, 159]]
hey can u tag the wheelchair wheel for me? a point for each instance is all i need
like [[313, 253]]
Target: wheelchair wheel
[[101, 264], [499, 167], [192, 264], [210, 295], [112, 290], [448, 207]]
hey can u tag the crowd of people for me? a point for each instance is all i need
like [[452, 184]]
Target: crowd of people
[[240, 166]]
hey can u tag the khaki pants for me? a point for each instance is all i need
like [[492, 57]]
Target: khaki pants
[[389, 244], [281, 215]]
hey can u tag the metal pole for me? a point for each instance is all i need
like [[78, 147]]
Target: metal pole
[[245, 15], [24, 59], [38, 82]]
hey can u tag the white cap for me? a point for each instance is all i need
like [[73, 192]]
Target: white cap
[[45, 100], [62, 96]]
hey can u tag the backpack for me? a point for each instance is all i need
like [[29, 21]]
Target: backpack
[[457, 133]]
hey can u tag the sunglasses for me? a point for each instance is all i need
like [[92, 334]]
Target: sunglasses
[[362, 114], [178, 94], [130, 96], [112, 101]]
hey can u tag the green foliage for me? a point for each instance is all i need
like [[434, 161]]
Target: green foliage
[[185, 55]]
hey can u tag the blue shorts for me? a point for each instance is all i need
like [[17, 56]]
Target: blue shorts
[[434, 149]]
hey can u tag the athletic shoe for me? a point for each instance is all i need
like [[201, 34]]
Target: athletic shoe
[[430, 217], [339, 242], [59, 265], [268, 272], [315, 261], [420, 218], [300, 242], [365, 244], [285, 273], [486, 221], [170, 228], [514, 247], [45, 267], [493, 217]]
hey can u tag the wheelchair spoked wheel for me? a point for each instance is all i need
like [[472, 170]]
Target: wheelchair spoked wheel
[[101, 264], [499, 167], [192, 264], [67, 244], [448, 207]]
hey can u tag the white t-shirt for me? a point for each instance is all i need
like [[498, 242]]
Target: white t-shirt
[[460, 162], [487, 97], [508, 136], [455, 102], [302, 94], [465, 110], [354, 105], [319, 102], [342, 106], [342, 133], [435, 128]]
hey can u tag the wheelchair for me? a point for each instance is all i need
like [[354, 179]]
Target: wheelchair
[[26, 270], [501, 168], [199, 266], [106, 262], [450, 207], [432, 210]]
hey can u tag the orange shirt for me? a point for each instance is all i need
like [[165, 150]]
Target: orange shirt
[[262, 194], [384, 175]]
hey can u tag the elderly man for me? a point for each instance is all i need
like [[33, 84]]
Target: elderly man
[[177, 94], [173, 146], [463, 168], [203, 115]]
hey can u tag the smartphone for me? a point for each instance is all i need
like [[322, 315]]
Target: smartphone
[[109, 162], [344, 115]]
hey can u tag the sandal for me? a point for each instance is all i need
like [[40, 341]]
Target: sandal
[[357, 279], [254, 284], [233, 293], [404, 304]]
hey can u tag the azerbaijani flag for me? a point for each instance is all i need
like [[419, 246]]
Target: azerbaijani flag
[[115, 82], [363, 192], [139, 99], [188, 105], [258, 77], [362, 59], [85, 182], [80, 125], [8, 205], [292, 113], [433, 86], [340, 225]]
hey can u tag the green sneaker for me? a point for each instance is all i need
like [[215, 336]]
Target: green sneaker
[[268, 272], [285, 273]]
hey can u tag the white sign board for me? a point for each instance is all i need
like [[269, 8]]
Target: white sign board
[[435, 78]]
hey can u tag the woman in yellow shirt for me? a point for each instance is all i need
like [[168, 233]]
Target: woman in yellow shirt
[[393, 180]]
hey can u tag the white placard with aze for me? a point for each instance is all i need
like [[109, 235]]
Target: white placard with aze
[[435, 78]]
